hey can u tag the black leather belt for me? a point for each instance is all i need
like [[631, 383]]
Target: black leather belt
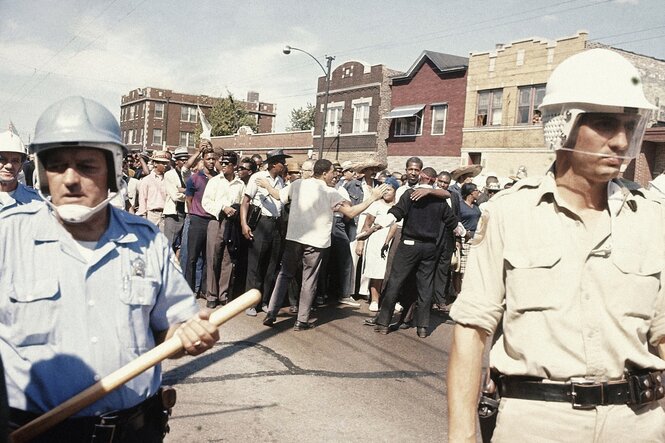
[[636, 389]]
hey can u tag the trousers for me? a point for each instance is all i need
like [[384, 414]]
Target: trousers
[[263, 257], [311, 258], [410, 255], [218, 262]]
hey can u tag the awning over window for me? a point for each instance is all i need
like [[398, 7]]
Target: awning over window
[[404, 111]]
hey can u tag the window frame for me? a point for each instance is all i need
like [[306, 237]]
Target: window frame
[[405, 121], [191, 111], [492, 110], [361, 122], [189, 137], [444, 107], [532, 105], [161, 136], [161, 114], [333, 125]]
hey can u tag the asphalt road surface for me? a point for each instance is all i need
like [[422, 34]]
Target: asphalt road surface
[[340, 381]]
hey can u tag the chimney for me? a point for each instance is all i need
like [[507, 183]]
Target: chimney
[[252, 96]]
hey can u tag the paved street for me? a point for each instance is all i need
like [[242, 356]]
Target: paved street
[[340, 381]]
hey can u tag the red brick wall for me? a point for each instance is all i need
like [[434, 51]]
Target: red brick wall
[[428, 87]]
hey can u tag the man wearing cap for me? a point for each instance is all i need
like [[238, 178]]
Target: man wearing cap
[[491, 182], [571, 267], [264, 249], [174, 206], [347, 174], [221, 199], [87, 288], [152, 190], [12, 156]]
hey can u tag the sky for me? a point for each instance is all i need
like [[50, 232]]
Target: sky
[[103, 49]]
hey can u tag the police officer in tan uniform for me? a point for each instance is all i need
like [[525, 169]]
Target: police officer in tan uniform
[[570, 267]]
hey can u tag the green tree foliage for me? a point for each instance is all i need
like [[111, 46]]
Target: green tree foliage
[[302, 118], [228, 115]]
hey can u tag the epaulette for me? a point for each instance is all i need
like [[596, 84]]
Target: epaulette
[[28, 208]]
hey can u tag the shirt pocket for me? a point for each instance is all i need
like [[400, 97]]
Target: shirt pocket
[[138, 299], [531, 276], [33, 312], [638, 281]]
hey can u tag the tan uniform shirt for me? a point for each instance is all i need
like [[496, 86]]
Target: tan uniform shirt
[[573, 302]]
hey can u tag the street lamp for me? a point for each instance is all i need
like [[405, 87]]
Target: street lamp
[[326, 71]]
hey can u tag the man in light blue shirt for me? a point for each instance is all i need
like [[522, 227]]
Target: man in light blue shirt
[[12, 156], [87, 287]]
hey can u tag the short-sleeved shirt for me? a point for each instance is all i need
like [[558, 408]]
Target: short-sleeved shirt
[[20, 196], [195, 187], [572, 303], [311, 215], [66, 322], [270, 207]]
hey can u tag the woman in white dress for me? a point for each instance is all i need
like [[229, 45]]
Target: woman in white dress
[[375, 265]]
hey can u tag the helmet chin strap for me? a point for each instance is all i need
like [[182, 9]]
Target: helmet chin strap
[[597, 154], [72, 213]]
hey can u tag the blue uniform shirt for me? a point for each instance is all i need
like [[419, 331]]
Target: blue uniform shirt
[[65, 322], [21, 195]]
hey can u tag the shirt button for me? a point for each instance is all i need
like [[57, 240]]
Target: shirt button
[[97, 377], [94, 340], [91, 303]]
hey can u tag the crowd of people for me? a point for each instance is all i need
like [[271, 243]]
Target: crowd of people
[[308, 234]]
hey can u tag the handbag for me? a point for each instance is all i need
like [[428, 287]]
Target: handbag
[[253, 216], [456, 260]]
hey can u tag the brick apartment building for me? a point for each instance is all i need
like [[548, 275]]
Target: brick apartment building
[[428, 112], [152, 118], [359, 96]]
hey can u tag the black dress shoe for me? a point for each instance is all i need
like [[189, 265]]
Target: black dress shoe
[[422, 332], [269, 320], [381, 329], [301, 326], [370, 321], [211, 304], [405, 325]]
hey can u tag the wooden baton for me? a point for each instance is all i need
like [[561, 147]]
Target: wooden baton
[[123, 375]]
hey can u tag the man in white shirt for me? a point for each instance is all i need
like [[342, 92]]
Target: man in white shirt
[[264, 248], [221, 199], [174, 205], [313, 202]]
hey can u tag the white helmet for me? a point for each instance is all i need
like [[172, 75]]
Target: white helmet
[[10, 142], [79, 122], [599, 81]]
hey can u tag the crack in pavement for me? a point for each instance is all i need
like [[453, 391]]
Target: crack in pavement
[[178, 376]]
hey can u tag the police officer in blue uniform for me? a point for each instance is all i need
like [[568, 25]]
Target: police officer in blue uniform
[[12, 156], [86, 287]]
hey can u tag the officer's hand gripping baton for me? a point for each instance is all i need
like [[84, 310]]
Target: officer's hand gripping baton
[[127, 372]]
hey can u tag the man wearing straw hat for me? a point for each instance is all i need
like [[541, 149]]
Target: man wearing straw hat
[[87, 288], [152, 190]]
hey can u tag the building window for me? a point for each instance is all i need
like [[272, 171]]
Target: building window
[[334, 120], [187, 114], [439, 114], [529, 98], [361, 117], [159, 110], [409, 126], [132, 112], [186, 139], [490, 108], [157, 137], [520, 57]]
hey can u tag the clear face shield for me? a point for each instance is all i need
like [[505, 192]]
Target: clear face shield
[[626, 126]]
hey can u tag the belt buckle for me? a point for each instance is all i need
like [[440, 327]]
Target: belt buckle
[[581, 383]]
